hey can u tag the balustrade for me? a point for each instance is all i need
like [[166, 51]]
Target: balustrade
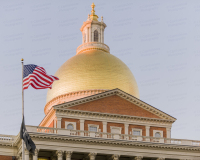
[[105, 135]]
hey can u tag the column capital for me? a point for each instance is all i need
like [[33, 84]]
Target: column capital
[[92, 155], [58, 118], [68, 154], [160, 158], [126, 124], [115, 157], [168, 128], [138, 158], [59, 154], [26, 152], [82, 120], [104, 122], [147, 126], [36, 152]]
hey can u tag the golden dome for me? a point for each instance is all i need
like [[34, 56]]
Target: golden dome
[[93, 69]]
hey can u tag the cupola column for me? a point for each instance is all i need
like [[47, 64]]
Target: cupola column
[[89, 34]]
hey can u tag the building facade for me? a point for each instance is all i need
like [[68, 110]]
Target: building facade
[[94, 113]]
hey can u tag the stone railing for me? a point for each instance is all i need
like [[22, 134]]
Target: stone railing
[[48, 130], [7, 138], [89, 45]]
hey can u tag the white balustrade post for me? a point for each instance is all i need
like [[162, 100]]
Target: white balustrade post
[[35, 156], [104, 129], [126, 130], [68, 155], [26, 154], [59, 155], [147, 133], [138, 158], [82, 126], [92, 156]]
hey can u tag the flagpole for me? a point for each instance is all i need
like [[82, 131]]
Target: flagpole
[[22, 60]]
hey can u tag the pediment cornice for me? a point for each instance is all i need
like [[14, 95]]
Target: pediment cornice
[[121, 94]]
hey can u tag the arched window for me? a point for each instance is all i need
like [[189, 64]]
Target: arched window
[[70, 126], [95, 36], [157, 134]]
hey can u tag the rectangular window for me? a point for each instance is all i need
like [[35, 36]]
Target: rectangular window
[[136, 133], [93, 128]]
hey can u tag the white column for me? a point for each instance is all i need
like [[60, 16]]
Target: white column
[[59, 125], [59, 155], [68, 155], [82, 37], [104, 129], [138, 158], [89, 34], [99, 37], [59, 122], [26, 154], [115, 157], [168, 132], [147, 133], [92, 36], [101, 34], [82, 126], [126, 130], [92, 156], [35, 156]]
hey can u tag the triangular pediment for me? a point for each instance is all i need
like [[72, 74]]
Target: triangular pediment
[[115, 102]]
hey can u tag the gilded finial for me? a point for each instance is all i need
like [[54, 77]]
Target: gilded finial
[[22, 59], [93, 16], [88, 17]]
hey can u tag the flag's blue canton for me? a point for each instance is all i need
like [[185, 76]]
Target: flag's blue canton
[[28, 69]]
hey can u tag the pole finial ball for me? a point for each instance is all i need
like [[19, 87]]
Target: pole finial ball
[[22, 59]]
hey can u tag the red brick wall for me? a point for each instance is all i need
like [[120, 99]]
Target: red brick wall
[[52, 124], [160, 129], [70, 120], [5, 157], [93, 122], [115, 125], [137, 127], [114, 104]]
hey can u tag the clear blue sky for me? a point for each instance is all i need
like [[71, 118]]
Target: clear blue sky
[[157, 39]]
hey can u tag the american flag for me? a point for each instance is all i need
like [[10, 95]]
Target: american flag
[[37, 77]]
